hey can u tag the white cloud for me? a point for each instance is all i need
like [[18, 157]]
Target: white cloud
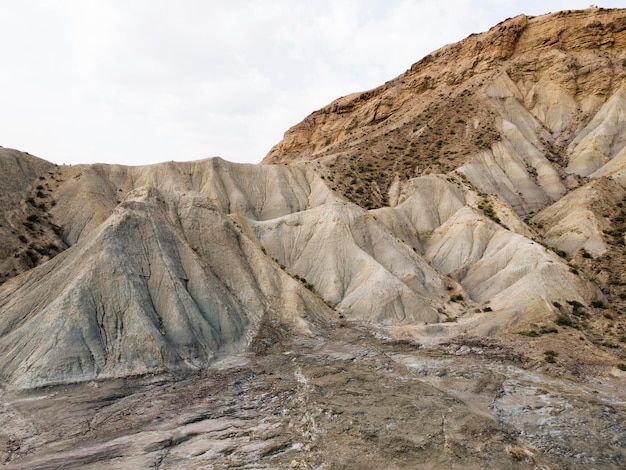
[[146, 81]]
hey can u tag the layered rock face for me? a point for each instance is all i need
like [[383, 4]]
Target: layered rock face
[[164, 279], [488, 159], [528, 117], [169, 266]]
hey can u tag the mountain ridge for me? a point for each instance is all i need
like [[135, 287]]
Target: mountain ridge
[[443, 253]]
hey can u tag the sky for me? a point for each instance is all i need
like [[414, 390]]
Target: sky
[[145, 81]]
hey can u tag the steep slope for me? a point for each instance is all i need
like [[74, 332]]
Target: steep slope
[[514, 100], [530, 115], [27, 231], [140, 296], [89, 193], [360, 269], [479, 157]]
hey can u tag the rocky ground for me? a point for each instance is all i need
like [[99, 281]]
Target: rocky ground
[[357, 400]]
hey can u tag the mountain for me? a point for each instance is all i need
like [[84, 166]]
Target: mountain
[[430, 271], [527, 120]]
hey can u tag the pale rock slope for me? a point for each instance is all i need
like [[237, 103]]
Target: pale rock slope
[[427, 205], [499, 268], [196, 263], [515, 167], [356, 265], [602, 139], [163, 283], [530, 115], [91, 192]]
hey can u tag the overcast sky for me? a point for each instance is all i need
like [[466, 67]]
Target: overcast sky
[[145, 81]]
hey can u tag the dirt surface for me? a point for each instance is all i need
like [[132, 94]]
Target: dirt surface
[[353, 402]]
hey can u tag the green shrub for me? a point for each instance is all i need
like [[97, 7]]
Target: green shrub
[[550, 356], [544, 330], [529, 333], [563, 320]]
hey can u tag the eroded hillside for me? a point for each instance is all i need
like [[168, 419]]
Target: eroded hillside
[[526, 88], [428, 271], [528, 117]]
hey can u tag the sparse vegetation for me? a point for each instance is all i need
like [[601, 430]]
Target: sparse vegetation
[[550, 356], [488, 210], [563, 319], [544, 330], [529, 333]]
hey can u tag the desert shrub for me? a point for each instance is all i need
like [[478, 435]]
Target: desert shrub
[[563, 320], [529, 333], [544, 330], [32, 256], [550, 356]]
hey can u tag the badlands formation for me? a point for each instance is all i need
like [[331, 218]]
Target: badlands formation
[[428, 274]]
